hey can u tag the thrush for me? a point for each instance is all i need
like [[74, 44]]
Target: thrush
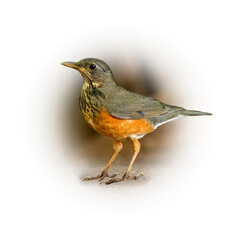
[[118, 113]]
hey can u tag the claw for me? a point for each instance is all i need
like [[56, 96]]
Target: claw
[[107, 175], [114, 181], [125, 177], [91, 178], [100, 177], [137, 176]]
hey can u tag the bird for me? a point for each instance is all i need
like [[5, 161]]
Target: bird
[[115, 112]]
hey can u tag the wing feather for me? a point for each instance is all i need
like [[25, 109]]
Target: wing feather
[[128, 105]]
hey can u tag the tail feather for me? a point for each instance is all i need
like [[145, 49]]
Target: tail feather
[[195, 113]]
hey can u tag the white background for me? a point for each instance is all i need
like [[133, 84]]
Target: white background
[[41, 195]]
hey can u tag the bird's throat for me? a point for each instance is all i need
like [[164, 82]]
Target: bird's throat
[[91, 101]]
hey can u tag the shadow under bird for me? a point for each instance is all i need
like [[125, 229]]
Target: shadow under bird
[[120, 114]]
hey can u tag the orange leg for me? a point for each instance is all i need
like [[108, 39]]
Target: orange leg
[[136, 148], [117, 147]]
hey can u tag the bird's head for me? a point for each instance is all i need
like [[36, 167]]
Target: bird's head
[[94, 71]]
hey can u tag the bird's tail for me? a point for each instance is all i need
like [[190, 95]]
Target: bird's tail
[[195, 113]]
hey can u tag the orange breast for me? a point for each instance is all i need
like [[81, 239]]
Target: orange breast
[[120, 129]]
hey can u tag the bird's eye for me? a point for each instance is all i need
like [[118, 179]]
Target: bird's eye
[[92, 66]]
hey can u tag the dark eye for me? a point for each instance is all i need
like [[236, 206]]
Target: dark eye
[[92, 66]]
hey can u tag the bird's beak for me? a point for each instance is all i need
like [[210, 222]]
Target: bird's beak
[[75, 66], [70, 64]]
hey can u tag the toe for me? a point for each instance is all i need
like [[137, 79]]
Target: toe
[[91, 178], [137, 176], [113, 181]]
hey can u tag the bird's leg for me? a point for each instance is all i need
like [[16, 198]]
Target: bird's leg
[[136, 148], [117, 147]]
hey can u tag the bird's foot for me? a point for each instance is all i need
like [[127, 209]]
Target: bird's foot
[[100, 177], [123, 178]]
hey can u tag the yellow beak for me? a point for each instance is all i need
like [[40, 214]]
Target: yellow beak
[[69, 64], [73, 65]]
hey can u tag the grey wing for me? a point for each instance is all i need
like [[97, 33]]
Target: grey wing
[[128, 105]]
